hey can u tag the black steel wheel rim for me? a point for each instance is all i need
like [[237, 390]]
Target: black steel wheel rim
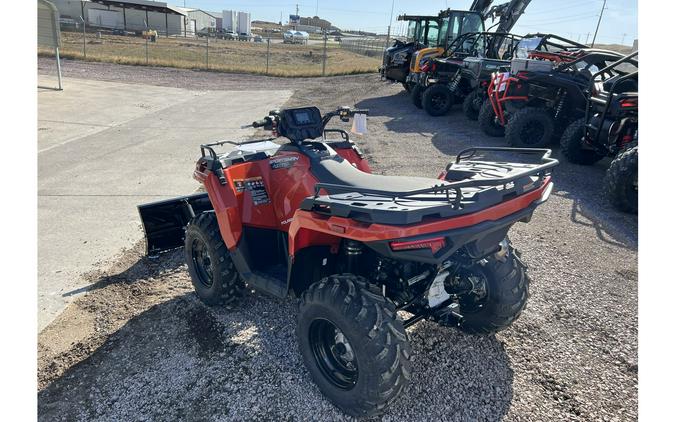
[[202, 262], [333, 354], [476, 294], [532, 133], [439, 101]]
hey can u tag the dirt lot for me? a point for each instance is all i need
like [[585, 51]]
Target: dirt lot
[[222, 55], [141, 346]]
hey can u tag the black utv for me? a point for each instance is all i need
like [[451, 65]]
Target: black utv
[[468, 61], [537, 99], [609, 128]]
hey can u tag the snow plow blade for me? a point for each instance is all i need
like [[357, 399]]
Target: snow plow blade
[[164, 221]]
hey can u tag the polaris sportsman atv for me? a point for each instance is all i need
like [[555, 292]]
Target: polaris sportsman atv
[[538, 99], [367, 255], [609, 129]]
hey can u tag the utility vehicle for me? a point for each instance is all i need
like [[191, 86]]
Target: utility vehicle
[[447, 80], [458, 45], [609, 128], [307, 219], [548, 47], [537, 100]]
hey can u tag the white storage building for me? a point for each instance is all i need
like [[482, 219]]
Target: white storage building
[[230, 21], [198, 20]]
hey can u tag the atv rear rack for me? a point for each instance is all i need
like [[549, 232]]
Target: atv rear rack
[[460, 196]]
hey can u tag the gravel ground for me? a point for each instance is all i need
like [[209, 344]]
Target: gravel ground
[[140, 346]]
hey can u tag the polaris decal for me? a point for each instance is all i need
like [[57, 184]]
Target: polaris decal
[[283, 162]]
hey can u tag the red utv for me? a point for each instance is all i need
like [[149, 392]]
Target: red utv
[[307, 219]]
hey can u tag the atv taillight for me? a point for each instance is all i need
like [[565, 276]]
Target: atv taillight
[[629, 103], [433, 67], [425, 67], [435, 244]]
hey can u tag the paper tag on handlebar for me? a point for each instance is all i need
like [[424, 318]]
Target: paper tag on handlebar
[[502, 81], [359, 125]]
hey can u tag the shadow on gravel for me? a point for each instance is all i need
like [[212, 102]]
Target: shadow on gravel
[[182, 360], [140, 269]]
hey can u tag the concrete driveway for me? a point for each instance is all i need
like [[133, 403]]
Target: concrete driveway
[[105, 147]]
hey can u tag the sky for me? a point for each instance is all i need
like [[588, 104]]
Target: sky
[[574, 19]]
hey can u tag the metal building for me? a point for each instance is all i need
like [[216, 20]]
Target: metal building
[[199, 21], [124, 15]]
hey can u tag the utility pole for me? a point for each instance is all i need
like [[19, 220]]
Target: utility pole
[[623, 37], [604, 2], [587, 36], [316, 12]]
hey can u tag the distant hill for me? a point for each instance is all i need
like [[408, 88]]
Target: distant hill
[[621, 49]]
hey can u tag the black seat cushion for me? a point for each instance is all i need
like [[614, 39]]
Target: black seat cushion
[[336, 170]]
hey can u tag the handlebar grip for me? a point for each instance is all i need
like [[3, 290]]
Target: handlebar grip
[[259, 123], [360, 111]]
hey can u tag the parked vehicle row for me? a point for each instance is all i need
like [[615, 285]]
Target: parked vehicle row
[[536, 90]]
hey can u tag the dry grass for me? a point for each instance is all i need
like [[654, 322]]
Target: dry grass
[[226, 56]]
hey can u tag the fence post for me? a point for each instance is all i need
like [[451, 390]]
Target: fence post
[[325, 42], [84, 37], [207, 53], [146, 48], [267, 64]]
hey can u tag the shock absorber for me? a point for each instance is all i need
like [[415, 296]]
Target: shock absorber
[[455, 81], [561, 104], [352, 251]]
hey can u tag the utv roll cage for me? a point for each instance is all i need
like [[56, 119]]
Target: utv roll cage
[[605, 101]]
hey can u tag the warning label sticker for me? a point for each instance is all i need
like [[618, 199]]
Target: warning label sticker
[[254, 185]]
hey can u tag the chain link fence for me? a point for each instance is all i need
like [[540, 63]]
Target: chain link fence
[[317, 56]]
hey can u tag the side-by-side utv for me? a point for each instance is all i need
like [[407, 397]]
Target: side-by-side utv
[[367, 255], [609, 128]]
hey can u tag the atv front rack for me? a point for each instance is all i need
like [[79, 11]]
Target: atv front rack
[[469, 186]]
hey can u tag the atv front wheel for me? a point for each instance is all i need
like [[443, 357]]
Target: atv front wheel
[[530, 128], [354, 348], [499, 292], [437, 100], [621, 182], [472, 103], [214, 277], [487, 120], [416, 95], [572, 144]]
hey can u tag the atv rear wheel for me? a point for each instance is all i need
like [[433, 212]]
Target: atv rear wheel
[[621, 181], [214, 277], [416, 95], [499, 294], [354, 348], [487, 120], [530, 128], [572, 144], [472, 103], [437, 100]]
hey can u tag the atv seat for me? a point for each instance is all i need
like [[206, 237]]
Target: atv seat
[[338, 171]]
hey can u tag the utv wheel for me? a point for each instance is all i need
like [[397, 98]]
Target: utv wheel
[[572, 144], [530, 128], [214, 277], [437, 100], [500, 292], [355, 349], [471, 105], [621, 182], [416, 95], [487, 120]]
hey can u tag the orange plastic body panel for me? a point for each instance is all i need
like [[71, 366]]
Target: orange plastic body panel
[[415, 66], [306, 221], [286, 187]]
